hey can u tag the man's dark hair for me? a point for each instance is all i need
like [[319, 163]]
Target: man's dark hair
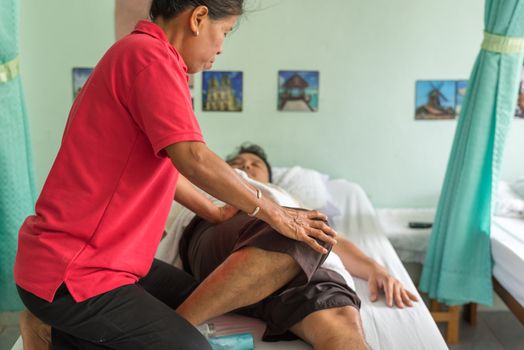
[[218, 9], [252, 148]]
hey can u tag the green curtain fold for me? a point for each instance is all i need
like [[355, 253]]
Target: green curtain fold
[[17, 190], [458, 264]]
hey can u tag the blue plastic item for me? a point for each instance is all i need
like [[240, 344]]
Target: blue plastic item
[[242, 341]]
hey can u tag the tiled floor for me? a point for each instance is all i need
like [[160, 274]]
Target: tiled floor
[[497, 330], [8, 330]]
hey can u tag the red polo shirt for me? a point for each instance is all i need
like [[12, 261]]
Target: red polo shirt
[[103, 207]]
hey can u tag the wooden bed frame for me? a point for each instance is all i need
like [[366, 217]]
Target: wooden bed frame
[[449, 315], [512, 303], [518, 310]]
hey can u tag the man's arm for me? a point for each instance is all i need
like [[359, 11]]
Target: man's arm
[[360, 265]]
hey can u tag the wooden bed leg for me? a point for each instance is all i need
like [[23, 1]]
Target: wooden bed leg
[[453, 324], [451, 317], [435, 305], [470, 313]]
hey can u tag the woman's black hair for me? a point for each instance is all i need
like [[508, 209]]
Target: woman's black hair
[[251, 148], [218, 9]]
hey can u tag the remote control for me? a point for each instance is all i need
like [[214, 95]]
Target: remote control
[[415, 224]]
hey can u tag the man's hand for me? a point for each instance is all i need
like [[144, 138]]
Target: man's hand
[[393, 288]]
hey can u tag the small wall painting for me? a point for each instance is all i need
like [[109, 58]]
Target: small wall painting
[[435, 99], [222, 91], [80, 76], [519, 113], [298, 91]]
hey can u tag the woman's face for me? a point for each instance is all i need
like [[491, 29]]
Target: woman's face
[[253, 165], [200, 53]]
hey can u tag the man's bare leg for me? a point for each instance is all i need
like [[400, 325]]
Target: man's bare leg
[[244, 278], [36, 335], [332, 329]]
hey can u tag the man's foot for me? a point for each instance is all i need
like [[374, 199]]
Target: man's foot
[[36, 335]]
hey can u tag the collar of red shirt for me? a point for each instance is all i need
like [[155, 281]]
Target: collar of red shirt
[[152, 29]]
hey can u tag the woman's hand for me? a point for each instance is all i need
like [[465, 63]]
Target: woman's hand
[[393, 288], [223, 213], [305, 226]]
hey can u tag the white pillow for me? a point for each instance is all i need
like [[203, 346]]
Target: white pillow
[[308, 186], [508, 203], [305, 184]]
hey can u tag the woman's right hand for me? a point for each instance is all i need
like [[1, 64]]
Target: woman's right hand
[[303, 225]]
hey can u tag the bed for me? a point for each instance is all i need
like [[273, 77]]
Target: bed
[[385, 328], [507, 247]]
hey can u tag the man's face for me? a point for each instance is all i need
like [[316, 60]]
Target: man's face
[[253, 165]]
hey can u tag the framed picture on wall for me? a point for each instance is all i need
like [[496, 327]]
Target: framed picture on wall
[[222, 91], [298, 91], [435, 99], [80, 76], [519, 112]]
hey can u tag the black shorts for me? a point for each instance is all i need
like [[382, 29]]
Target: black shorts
[[133, 316], [204, 246]]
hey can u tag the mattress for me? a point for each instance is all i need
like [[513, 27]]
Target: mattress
[[385, 328], [507, 248], [410, 244]]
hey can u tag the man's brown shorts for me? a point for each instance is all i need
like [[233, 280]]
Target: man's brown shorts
[[204, 246]]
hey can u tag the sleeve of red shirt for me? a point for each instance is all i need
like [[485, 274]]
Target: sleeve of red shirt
[[160, 103]]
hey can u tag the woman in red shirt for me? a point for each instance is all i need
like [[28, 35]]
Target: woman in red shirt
[[85, 258]]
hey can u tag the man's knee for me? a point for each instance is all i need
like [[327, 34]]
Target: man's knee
[[330, 326], [265, 258], [350, 316]]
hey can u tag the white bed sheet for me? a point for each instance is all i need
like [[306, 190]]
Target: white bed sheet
[[385, 328], [507, 248], [410, 244]]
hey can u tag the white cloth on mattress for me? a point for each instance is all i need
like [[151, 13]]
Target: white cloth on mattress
[[410, 244], [507, 248], [384, 327]]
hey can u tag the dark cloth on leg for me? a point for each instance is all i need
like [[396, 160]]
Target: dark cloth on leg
[[139, 316], [204, 246]]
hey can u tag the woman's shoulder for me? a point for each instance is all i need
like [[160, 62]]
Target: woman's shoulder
[[140, 51]]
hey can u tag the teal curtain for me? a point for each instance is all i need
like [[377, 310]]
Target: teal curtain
[[17, 191], [457, 268]]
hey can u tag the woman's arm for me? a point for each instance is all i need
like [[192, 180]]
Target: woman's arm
[[360, 265], [187, 195], [209, 172]]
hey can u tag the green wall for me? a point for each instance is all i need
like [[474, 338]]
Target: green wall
[[369, 54]]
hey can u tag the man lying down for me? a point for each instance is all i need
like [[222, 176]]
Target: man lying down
[[297, 291], [316, 302]]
